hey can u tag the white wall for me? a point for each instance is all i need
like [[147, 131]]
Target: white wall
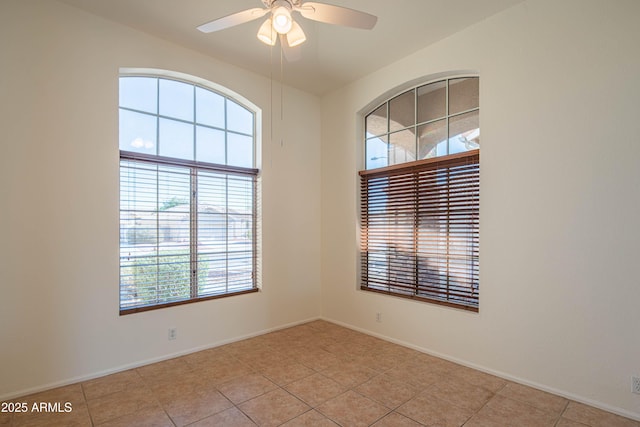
[[560, 201], [59, 203]]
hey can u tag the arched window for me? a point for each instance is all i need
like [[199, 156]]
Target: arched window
[[420, 194], [188, 177]]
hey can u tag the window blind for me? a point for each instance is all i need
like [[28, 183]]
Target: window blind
[[420, 230], [187, 231]]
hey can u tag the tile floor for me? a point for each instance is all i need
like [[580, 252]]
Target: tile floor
[[316, 374]]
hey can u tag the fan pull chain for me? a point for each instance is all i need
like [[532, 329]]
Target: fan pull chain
[[271, 99], [281, 92]]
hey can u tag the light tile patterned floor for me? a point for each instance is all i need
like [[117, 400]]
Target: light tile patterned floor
[[316, 374]]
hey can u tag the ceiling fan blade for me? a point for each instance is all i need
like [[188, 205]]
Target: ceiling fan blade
[[337, 15], [292, 54], [233, 19]]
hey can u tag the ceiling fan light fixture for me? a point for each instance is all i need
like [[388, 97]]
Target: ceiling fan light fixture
[[295, 36], [282, 21], [266, 33]]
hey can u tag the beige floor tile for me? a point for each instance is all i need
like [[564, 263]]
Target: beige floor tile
[[349, 374], [111, 384], [284, 374], [262, 357], [240, 348], [348, 348], [168, 389], [342, 351], [373, 360], [148, 417], [231, 417], [396, 420], [77, 417], [536, 398], [352, 409], [116, 405], [318, 359], [227, 371], [594, 417], [408, 375], [427, 362], [460, 393], [273, 408], [5, 418], [206, 359], [164, 371], [564, 422], [71, 393], [417, 375], [53, 400], [315, 389], [429, 410], [384, 389], [241, 389], [398, 352], [478, 378], [501, 411], [188, 408], [311, 418]]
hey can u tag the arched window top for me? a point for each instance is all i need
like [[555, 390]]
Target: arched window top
[[431, 120], [170, 117]]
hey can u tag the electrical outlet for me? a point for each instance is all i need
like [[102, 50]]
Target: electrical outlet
[[379, 317], [635, 385], [173, 333]]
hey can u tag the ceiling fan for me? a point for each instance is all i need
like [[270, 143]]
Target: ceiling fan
[[281, 23]]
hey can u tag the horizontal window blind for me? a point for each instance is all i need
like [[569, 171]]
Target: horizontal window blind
[[187, 231], [420, 230]]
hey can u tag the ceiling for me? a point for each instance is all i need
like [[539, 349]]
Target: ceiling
[[331, 57]]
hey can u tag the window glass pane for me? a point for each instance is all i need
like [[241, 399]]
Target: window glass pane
[[432, 139], [376, 122], [240, 200], [174, 234], [239, 119], [402, 111], [209, 108], [432, 101], [239, 150], [176, 139], [174, 191], [212, 192], [137, 132], [464, 132], [212, 231], [463, 94], [139, 93], [402, 147], [210, 145], [214, 268], [176, 99], [377, 152]]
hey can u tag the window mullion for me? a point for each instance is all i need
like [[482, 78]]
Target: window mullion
[[226, 235], [416, 230], [157, 257], [193, 232]]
